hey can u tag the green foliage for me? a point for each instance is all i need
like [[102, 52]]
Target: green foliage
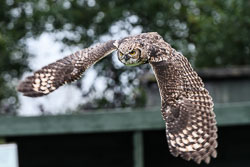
[[209, 33], [2, 141]]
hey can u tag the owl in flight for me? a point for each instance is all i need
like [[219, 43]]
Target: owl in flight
[[186, 105]]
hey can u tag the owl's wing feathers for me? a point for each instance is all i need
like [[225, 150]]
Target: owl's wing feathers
[[187, 109], [63, 71]]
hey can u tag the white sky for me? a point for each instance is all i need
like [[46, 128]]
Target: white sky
[[46, 50]]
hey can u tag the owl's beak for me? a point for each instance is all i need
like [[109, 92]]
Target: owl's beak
[[126, 57]]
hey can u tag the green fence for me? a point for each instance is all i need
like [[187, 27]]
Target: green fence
[[133, 120]]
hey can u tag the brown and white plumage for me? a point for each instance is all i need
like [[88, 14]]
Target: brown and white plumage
[[187, 107], [66, 70]]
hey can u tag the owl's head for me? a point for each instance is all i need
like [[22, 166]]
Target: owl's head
[[131, 52]]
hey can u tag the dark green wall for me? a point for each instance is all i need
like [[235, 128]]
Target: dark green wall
[[116, 149], [104, 149], [233, 149]]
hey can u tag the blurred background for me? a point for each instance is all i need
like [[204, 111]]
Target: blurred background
[[108, 117]]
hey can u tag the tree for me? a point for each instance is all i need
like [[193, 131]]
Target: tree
[[209, 33]]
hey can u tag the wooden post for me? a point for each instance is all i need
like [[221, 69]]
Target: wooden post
[[138, 149]]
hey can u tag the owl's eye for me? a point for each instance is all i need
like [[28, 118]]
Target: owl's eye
[[120, 54], [132, 53]]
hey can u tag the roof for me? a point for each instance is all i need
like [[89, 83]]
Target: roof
[[225, 72], [211, 73]]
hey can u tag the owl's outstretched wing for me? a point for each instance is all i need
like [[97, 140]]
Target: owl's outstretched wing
[[187, 109], [63, 71]]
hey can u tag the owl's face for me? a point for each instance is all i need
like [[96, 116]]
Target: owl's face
[[131, 53]]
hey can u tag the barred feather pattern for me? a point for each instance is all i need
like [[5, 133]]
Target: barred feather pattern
[[187, 108], [63, 71]]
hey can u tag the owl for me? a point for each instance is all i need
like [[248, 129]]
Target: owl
[[186, 106]]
